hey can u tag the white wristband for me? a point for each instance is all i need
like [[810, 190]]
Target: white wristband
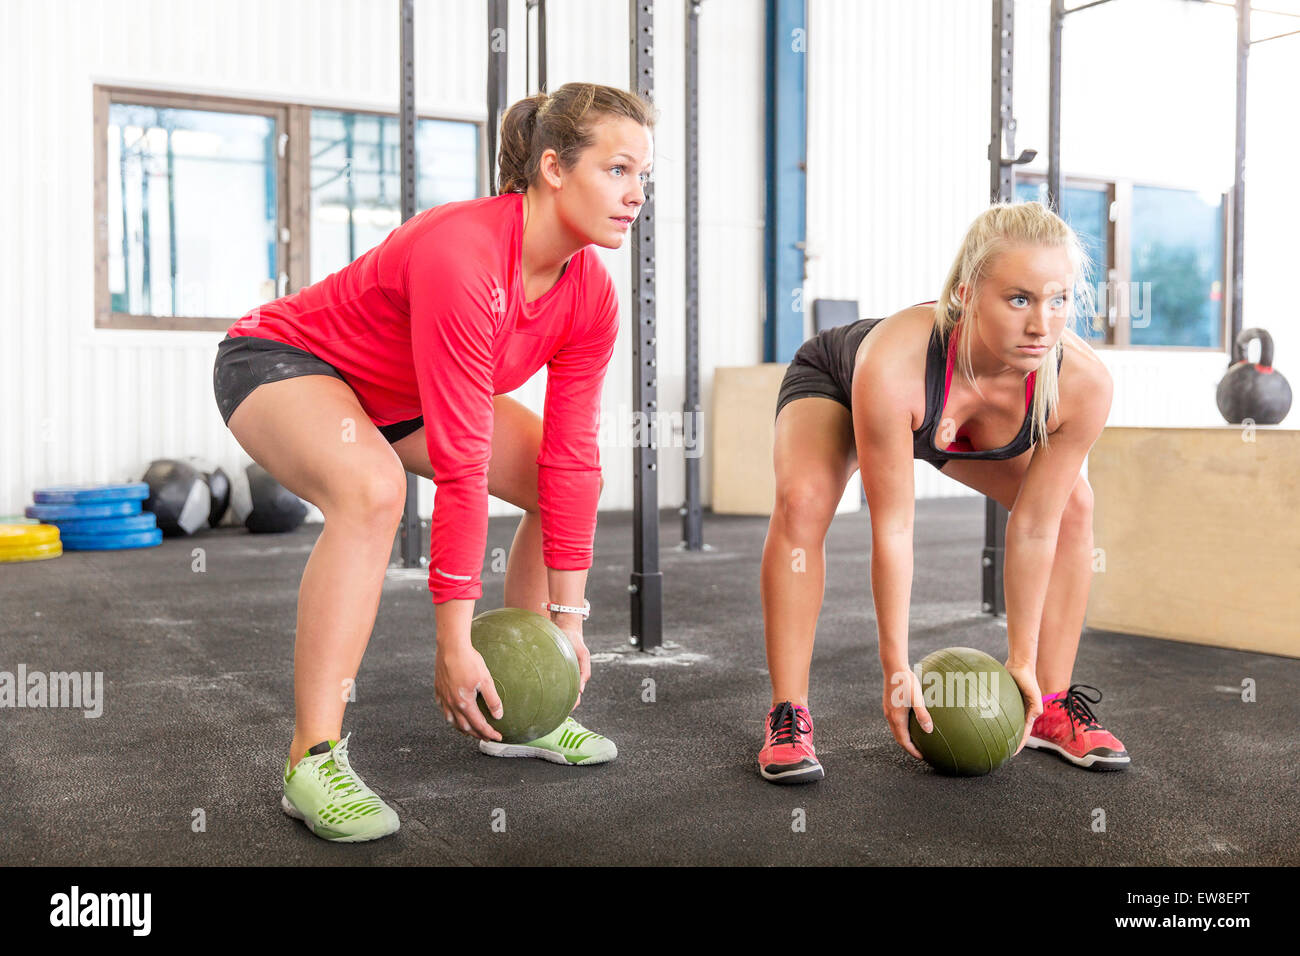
[[585, 610]]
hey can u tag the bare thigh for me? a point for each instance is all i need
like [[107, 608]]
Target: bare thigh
[[814, 457], [516, 442], [312, 435]]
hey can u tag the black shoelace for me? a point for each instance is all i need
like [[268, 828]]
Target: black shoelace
[[788, 725], [1076, 706]]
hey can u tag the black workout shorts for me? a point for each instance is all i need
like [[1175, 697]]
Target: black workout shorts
[[824, 365], [245, 362]]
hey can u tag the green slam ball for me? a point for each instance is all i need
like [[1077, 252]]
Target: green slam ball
[[534, 668], [976, 708]]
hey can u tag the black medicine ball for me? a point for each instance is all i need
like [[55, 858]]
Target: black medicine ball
[[178, 497], [263, 505], [218, 487]]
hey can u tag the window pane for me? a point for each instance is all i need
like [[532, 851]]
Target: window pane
[[355, 179], [191, 211], [1178, 249], [1088, 213]]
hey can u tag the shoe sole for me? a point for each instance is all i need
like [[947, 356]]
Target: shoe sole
[[801, 775], [1087, 762], [494, 749], [297, 814]]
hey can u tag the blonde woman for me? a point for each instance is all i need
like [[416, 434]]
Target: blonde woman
[[1015, 422]]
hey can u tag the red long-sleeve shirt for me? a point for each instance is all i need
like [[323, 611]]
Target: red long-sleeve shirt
[[433, 321]]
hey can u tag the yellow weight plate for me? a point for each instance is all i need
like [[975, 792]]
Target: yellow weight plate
[[26, 535], [35, 552]]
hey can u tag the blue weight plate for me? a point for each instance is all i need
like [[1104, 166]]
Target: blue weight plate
[[141, 522], [86, 494], [112, 542], [104, 509]]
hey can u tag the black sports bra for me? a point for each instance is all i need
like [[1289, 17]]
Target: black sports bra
[[938, 377]]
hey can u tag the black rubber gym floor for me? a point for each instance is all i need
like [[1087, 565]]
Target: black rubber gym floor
[[198, 695]]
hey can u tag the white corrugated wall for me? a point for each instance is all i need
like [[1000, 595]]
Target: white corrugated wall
[[898, 104]]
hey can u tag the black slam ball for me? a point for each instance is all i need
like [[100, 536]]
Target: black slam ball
[[218, 487], [263, 505], [178, 497]]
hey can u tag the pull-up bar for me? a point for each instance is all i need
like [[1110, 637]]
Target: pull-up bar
[[1231, 3], [540, 7]]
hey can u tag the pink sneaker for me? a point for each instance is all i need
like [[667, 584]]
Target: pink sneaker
[[1068, 727], [788, 756]]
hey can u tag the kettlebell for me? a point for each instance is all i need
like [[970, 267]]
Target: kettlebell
[[1255, 391]]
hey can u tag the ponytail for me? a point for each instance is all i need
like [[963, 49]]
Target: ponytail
[[517, 128]]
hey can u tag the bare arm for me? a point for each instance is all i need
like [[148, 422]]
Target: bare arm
[[1035, 521], [882, 426]]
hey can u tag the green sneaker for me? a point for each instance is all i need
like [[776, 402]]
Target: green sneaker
[[324, 792], [569, 743]]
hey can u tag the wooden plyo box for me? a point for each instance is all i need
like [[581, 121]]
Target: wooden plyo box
[[1199, 535], [743, 437]]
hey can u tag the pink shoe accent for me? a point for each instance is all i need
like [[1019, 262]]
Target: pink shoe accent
[[788, 755], [1068, 727]]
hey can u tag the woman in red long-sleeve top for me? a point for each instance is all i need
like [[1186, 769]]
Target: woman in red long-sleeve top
[[399, 362]]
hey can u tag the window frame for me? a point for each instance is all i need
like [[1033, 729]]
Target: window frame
[[1093, 184], [293, 191], [300, 157], [1119, 269]]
